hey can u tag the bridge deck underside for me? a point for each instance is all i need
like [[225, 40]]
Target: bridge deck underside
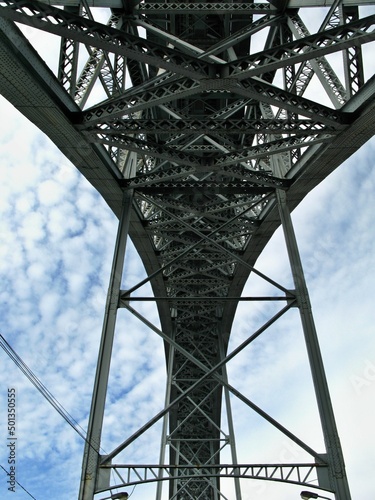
[[204, 126]]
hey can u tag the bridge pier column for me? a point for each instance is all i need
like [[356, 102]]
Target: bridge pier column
[[91, 457], [232, 439], [163, 445], [337, 475]]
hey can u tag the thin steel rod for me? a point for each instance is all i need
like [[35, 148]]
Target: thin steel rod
[[232, 438], [163, 444], [201, 298], [208, 373], [335, 457], [91, 453]]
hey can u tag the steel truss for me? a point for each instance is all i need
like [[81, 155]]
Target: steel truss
[[202, 141]]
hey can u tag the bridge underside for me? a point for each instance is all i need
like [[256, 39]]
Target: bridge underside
[[202, 120]]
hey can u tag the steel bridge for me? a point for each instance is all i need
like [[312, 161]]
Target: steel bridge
[[202, 125]]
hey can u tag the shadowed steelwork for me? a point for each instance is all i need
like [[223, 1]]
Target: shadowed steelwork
[[203, 125]]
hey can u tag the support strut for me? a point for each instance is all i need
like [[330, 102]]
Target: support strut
[[337, 475], [92, 448]]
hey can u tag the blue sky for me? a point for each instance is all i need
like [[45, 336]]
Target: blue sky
[[56, 243]]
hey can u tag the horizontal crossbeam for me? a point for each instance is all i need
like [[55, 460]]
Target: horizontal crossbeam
[[302, 473], [293, 126], [205, 8]]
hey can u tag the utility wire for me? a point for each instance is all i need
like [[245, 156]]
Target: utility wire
[[45, 393], [19, 484], [43, 389]]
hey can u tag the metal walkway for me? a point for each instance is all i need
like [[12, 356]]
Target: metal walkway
[[203, 125]]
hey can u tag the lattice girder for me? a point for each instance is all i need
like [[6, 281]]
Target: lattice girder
[[202, 132]]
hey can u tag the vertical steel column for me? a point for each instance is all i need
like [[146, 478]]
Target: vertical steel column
[[91, 454], [337, 474], [232, 439], [163, 444]]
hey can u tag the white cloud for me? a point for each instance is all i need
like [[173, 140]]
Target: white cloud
[[50, 193]]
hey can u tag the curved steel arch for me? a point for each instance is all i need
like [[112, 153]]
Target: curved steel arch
[[202, 146]]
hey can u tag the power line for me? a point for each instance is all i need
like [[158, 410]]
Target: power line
[[45, 393], [19, 484], [43, 389]]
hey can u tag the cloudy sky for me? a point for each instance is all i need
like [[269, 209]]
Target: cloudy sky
[[56, 243]]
